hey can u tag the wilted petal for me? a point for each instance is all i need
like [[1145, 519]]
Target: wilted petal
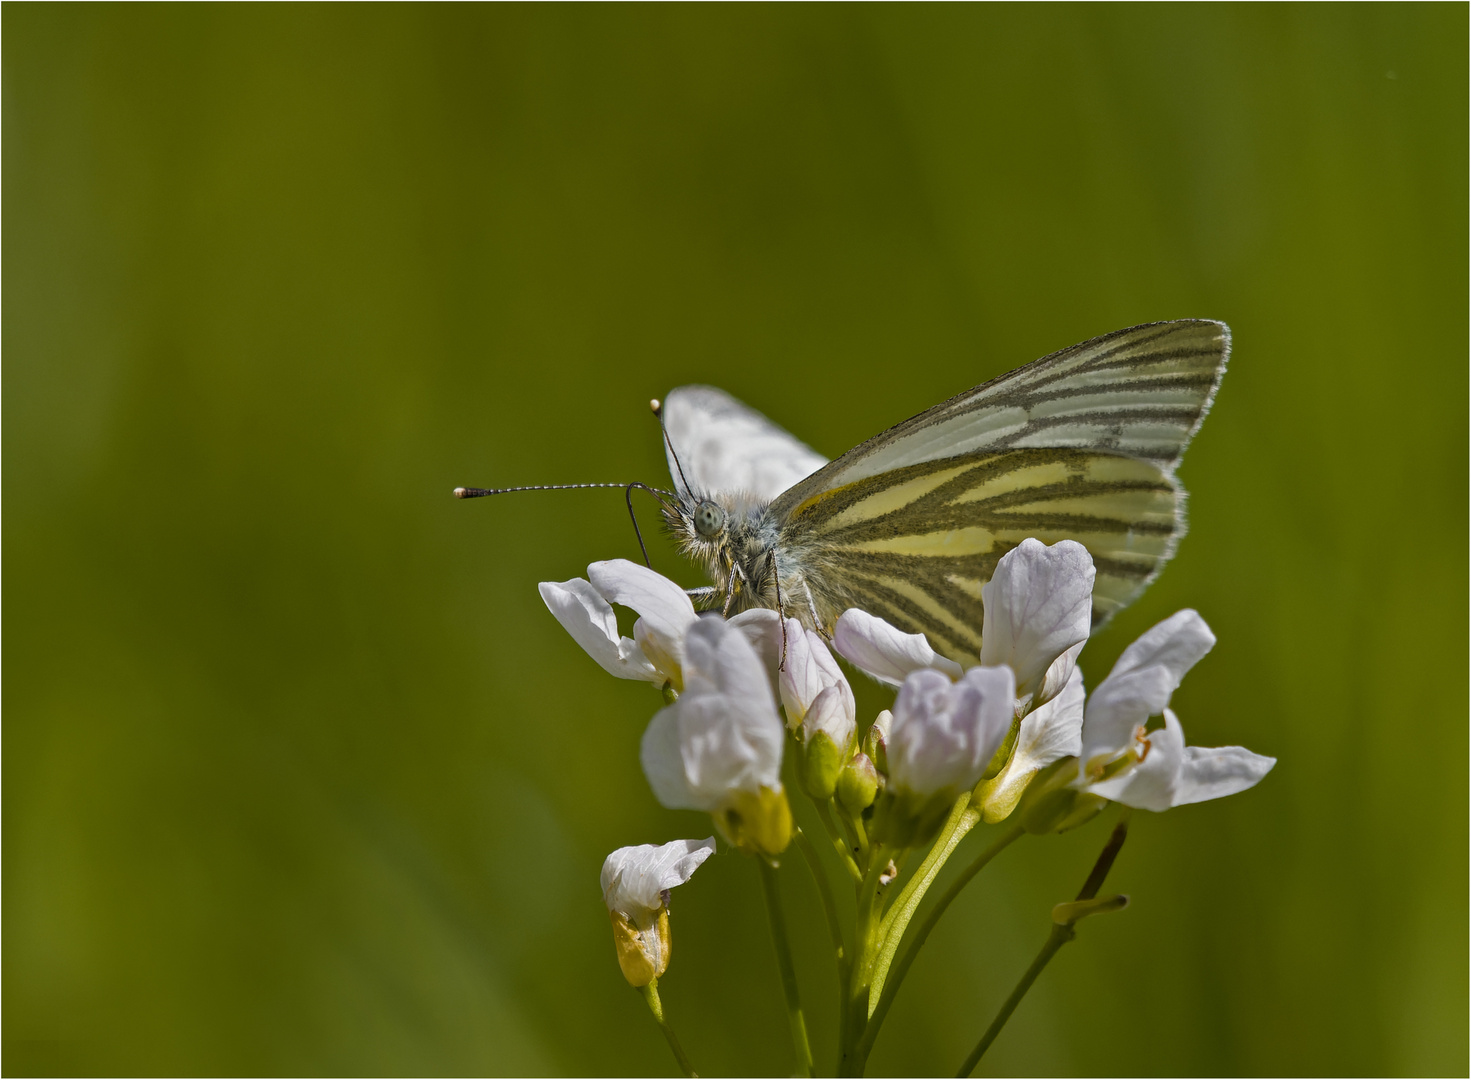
[[945, 733], [665, 610], [885, 652], [635, 878], [1038, 605], [1141, 683], [585, 615]]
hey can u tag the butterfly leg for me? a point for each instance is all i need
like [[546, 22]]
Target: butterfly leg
[[702, 595], [737, 575], [781, 614]]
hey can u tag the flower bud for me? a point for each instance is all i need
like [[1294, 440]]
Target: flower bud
[[876, 741], [824, 761], [858, 784]]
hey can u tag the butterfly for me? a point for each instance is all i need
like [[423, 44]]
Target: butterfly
[[1082, 444]]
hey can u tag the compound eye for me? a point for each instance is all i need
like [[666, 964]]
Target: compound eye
[[709, 519]]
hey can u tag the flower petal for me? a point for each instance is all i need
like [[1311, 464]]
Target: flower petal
[[762, 628], [809, 670], [885, 652], [585, 615], [833, 713], [665, 610], [1038, 605], [729, 735], [659, 753], [1211, 772], [719, 659], [729, 743], [1141, 683]]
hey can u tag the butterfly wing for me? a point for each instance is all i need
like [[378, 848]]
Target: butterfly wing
[[726, 446], [1079, 445]]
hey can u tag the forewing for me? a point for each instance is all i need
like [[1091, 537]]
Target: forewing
[[726, 446], [1140, 392], [1079, 445]]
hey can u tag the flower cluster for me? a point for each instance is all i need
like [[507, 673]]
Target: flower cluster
[[1014, 732]]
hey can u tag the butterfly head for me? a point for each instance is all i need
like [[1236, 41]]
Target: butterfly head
[[729, 535]]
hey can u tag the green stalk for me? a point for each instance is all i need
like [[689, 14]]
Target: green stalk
[[1062, 933], [890, 987], [795, 1018], [824, 814], [651, 995]]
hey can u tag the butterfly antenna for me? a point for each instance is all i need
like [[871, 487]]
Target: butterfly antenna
[[658, 410], [476, 493]]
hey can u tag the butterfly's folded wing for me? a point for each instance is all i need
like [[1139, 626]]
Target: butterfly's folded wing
[[1079, 445], [726, 446]]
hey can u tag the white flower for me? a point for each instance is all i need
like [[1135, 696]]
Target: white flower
[[1169, 773], [636, 879], [945, 733], [814, 692], [718, 748], [636, 884], [888, 654], [1038, 611], [723, 733], [1120, 759], [655, 652]]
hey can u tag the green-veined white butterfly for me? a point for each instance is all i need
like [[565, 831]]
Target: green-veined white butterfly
[[1081, 445]]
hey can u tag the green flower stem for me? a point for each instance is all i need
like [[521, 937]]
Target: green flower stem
[[896, 978], [867, 938], [1061, 934], [962, 819], [824, 814], [651, 995], [825, 891], [788, 973]]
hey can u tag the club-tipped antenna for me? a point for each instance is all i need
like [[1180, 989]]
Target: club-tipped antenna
[[658, 409], [476, 493]]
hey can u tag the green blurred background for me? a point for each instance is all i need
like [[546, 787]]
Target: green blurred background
[[299, 774]]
